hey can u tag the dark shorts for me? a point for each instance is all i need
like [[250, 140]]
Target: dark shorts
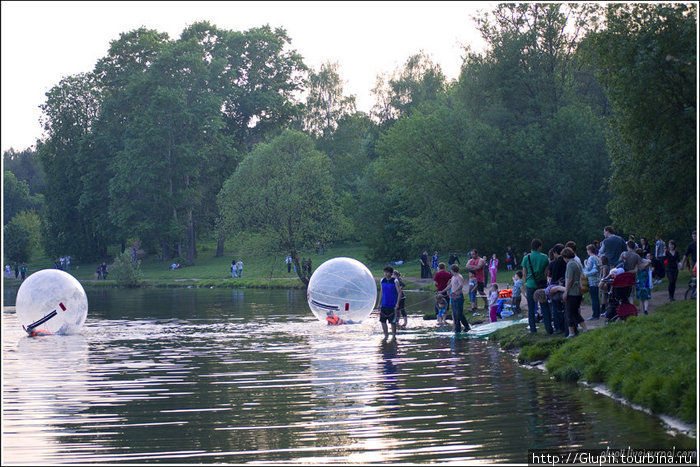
[[480, 288], [387, 314]]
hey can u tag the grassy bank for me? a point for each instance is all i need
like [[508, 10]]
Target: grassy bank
[[263, 270], [648, 360]]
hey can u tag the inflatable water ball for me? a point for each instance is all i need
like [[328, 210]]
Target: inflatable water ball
[[344, 288], [51, 301]]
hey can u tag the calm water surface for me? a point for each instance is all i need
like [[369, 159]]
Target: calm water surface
[[243, 376]]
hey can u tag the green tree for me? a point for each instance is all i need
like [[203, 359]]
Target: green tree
[[70, 110], [282, 190], [157, 182], [17, 198], [22, 236], [419, 81], [527, 71], [25, 165], [326, 104], [647, 60], [128, 59], [259, 78]]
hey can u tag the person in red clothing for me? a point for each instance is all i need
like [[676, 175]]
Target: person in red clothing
[[477, 265], [440, 279]]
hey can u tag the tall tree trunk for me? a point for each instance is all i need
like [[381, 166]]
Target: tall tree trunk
[[295, 260], [220, 245], [190, 243], [165, 250]]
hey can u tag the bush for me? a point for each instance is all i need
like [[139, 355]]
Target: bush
[[126, 272]]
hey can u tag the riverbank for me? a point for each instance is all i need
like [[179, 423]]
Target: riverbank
[[649, 362]]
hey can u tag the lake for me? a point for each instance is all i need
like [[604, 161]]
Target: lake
[[247, 375]]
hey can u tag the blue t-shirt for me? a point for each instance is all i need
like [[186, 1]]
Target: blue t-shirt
[[517, 287], [389, 293]]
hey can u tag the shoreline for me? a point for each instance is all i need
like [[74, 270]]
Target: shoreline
[[672, 424]]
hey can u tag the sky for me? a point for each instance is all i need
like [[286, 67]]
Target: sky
[[43, 42]]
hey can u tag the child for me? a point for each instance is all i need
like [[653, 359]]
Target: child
[[402, 300], [472, 290], [643, 283], [517, 290], [333, 320], [441, 308], [493, 268], [493, 303]]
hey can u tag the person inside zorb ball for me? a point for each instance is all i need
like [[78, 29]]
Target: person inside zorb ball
[[342, 291], [51, 301]]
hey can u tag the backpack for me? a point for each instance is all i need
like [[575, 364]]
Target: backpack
[[584, 284]]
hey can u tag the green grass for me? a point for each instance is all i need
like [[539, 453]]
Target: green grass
[[649, 360], [259, 269], [532, 347]]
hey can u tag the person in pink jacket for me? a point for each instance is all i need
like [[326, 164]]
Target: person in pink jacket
[[493, 268]]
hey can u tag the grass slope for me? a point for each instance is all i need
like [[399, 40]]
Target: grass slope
[[649, 360]]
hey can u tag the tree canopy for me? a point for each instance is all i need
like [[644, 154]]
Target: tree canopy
[[283, 189], [647, 60], [574, 117]]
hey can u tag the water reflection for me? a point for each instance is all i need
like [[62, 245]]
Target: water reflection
[[192, 375]]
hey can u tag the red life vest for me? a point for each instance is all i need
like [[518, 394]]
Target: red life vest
[[334, 320]]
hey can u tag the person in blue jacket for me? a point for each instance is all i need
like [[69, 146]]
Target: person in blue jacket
[[388, 304]]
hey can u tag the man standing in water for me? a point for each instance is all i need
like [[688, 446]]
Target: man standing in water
[[388, 301]]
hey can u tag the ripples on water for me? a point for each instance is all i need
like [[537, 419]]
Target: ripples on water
[[213, 376]]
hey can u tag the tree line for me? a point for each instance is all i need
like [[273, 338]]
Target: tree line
[[574, 117]]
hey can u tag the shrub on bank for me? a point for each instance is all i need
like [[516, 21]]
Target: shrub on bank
[[125, 272], [649, 360]]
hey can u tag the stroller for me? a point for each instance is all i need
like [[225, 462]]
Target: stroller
[[619, 291]]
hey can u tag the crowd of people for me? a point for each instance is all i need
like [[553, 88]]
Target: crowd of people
[[555, 282]]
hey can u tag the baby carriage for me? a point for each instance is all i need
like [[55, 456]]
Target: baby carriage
[[619, 291]]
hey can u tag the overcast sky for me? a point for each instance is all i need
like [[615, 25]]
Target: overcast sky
[[42, 42]]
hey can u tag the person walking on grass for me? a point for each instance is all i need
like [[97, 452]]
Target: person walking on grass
[[493, 303], [592, 269], [691, 254], [435, 262], [572, 294], [535, 269], [493, 268], [477, 265], [642, 281], [672, 259]]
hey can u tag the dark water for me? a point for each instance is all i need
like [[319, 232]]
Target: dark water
[[222, 376]]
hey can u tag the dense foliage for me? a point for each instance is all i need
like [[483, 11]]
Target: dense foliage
[[575, 116]]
